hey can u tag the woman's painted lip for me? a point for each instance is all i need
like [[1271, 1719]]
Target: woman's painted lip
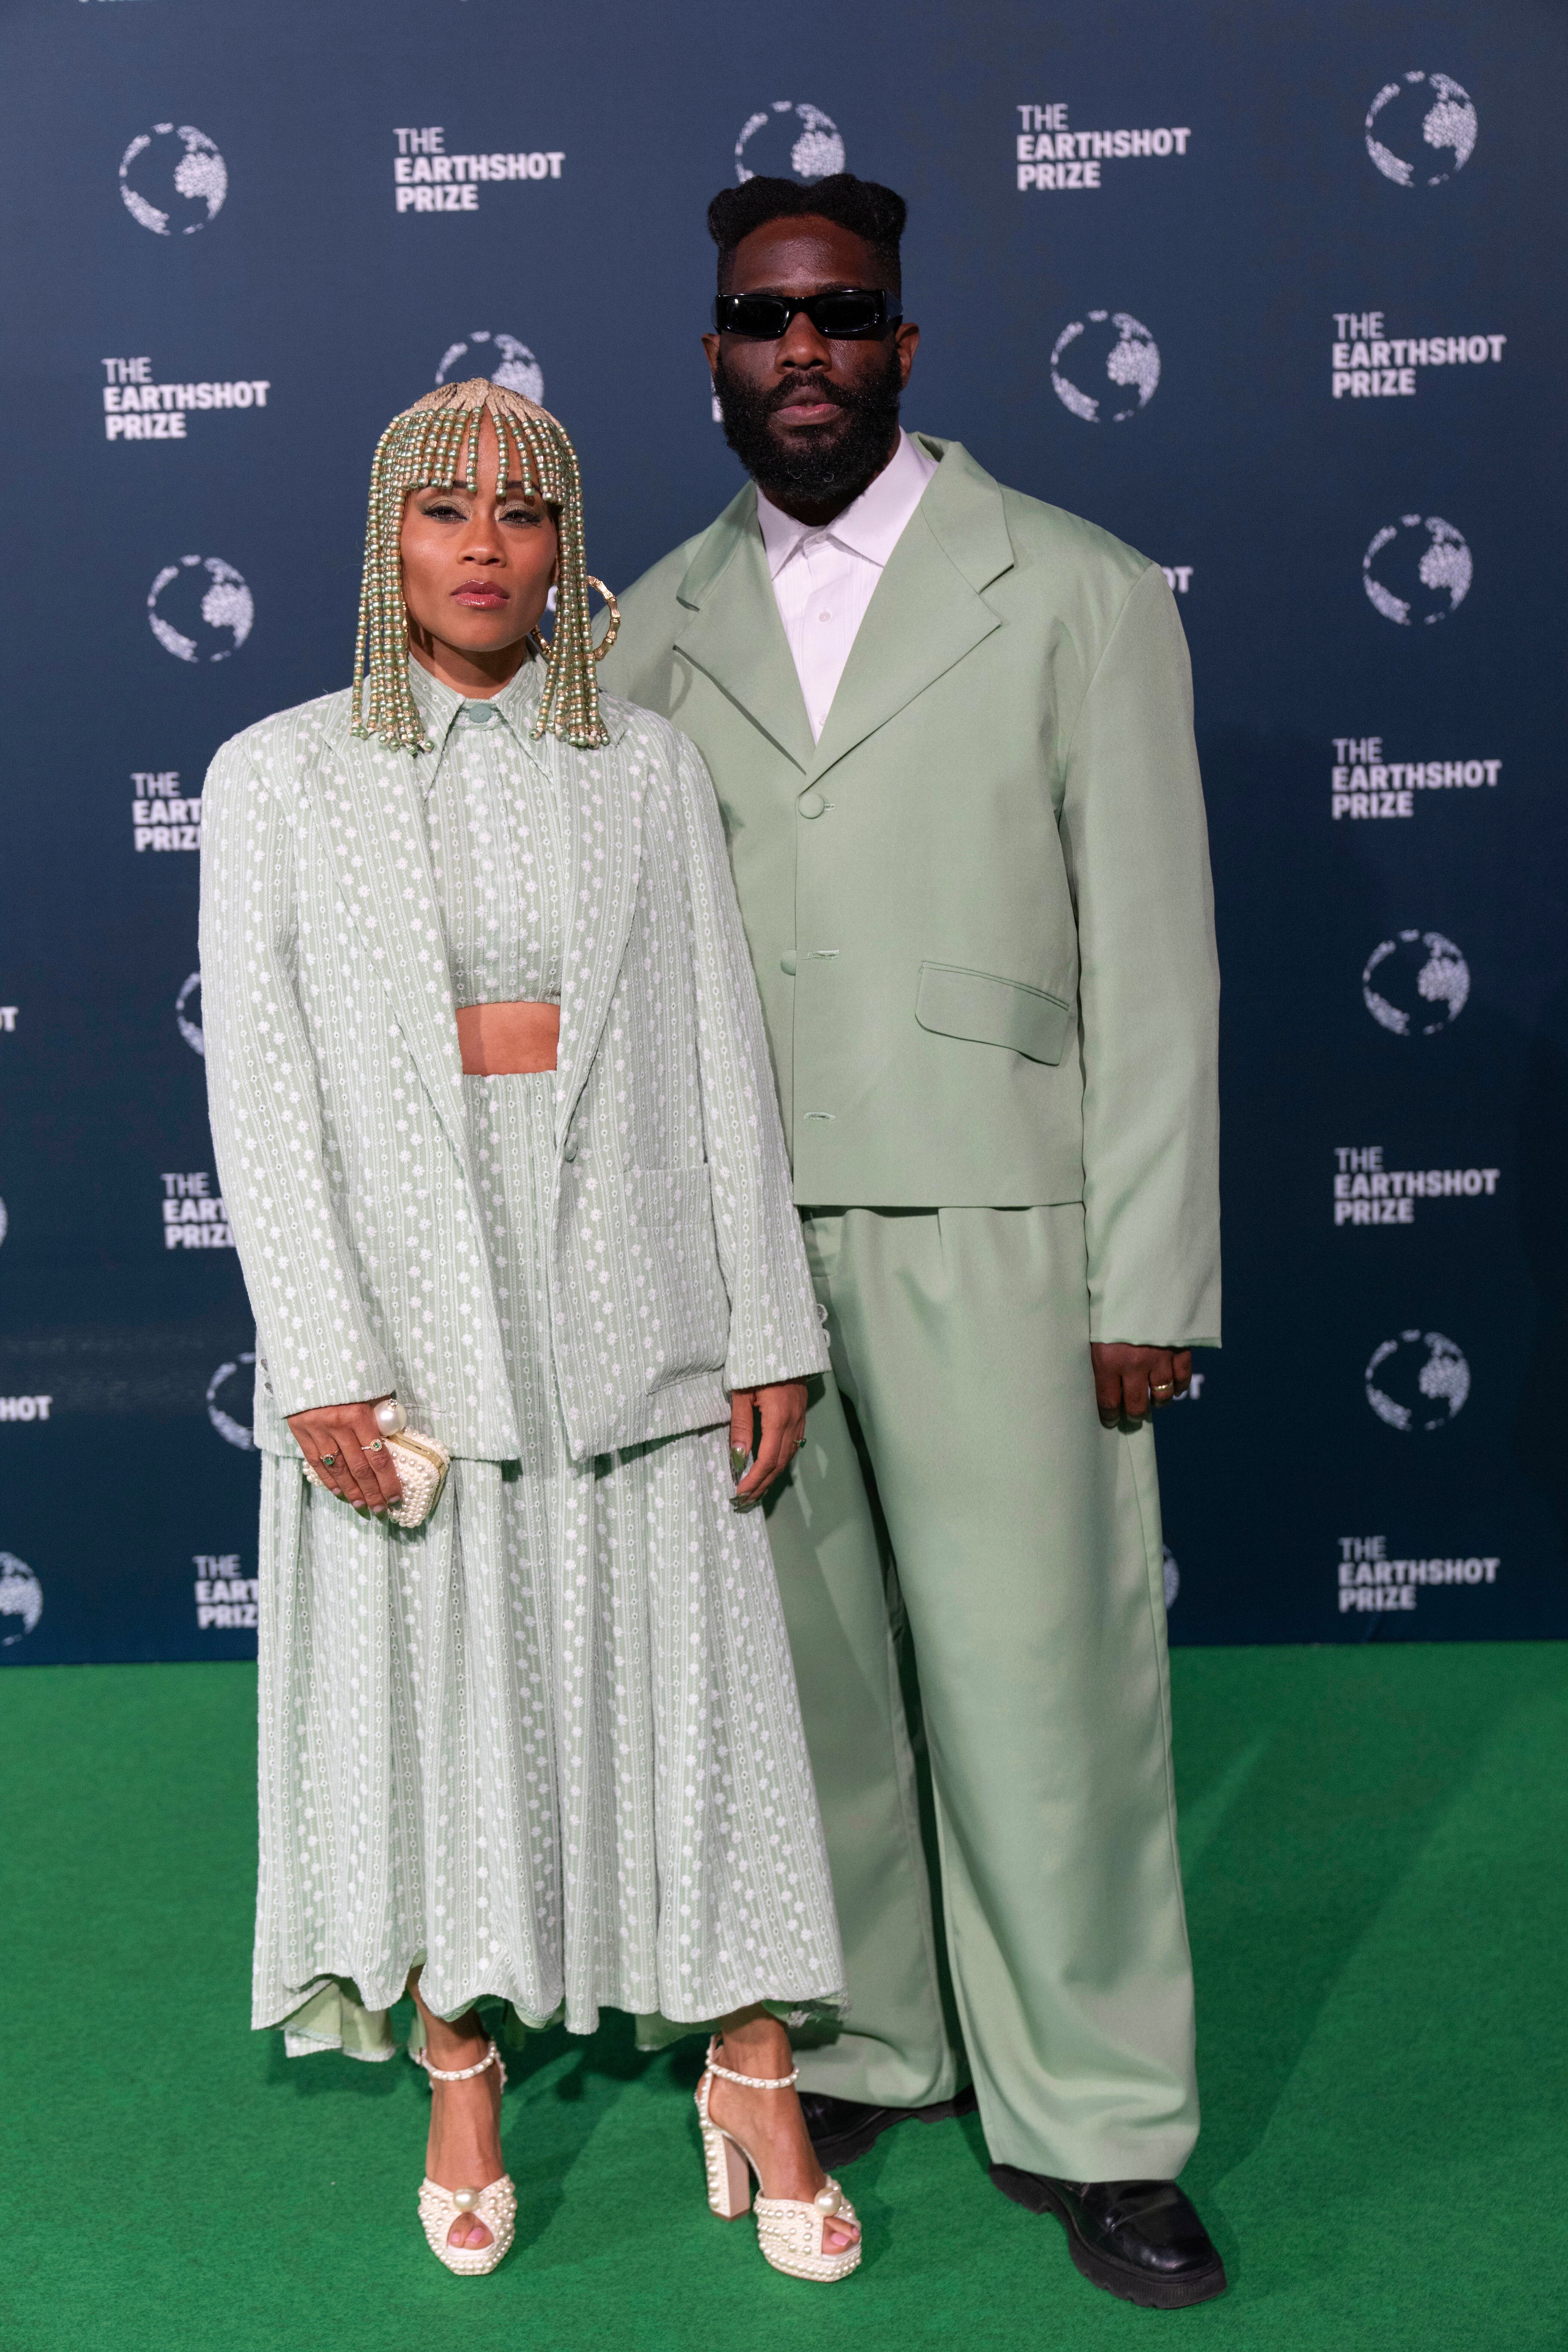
[[472, 592]]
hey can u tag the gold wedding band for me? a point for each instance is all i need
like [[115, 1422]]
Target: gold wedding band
[[1162, 1387]]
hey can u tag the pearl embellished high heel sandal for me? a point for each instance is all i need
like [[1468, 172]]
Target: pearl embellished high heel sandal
[[790, 2230], [495, 2206]]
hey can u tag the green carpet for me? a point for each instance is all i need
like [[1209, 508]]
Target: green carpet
[[1376, 1843]]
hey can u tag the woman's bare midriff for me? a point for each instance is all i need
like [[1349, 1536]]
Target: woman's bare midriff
[[502, 1040]]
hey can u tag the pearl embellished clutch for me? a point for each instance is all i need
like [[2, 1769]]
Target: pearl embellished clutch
[[421, 1464]]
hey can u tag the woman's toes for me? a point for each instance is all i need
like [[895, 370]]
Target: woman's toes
[[466, 2231]]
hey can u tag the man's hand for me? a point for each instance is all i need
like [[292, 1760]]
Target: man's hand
[[780, 1409], [343, 1445], [1130, 1382]]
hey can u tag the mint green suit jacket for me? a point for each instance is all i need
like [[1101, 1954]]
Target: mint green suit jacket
[[979, 908]]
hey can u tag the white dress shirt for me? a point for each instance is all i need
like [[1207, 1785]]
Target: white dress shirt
[[823, 577]]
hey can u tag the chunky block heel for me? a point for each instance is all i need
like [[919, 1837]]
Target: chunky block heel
[[790, 2230]]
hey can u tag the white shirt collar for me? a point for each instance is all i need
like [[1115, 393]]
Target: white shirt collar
[[871, 526]]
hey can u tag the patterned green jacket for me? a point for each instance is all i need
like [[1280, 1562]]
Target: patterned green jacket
[[335, 1091]]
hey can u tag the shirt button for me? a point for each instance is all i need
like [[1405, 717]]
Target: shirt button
[[569, 1149], [824, 616], [811, 803], [478, 714], [786, 962]]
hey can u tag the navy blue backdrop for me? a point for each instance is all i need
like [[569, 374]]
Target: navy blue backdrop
[[1275, 294]]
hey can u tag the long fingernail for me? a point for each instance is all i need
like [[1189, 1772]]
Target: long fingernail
[[739, 1457], [745, 1501]]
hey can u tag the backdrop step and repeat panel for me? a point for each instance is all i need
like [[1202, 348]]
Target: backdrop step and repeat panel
[[1274, 294]]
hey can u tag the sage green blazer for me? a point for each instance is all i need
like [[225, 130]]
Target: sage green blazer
[[677, 1269], [979, 908]]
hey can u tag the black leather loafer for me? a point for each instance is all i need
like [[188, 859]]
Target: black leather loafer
[[1139, 2238], [842, 2129]]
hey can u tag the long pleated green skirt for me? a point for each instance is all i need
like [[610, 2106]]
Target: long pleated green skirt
[[547, 1746]]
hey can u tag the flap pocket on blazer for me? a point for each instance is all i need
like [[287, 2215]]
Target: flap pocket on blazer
[[957, 1003], [676, 1303]]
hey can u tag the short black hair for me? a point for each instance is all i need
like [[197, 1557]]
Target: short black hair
[[863, 206]]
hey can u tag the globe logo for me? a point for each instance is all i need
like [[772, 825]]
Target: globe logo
[[1172, 1577], [220, 1395], [21, 1597], [1421, 111], [200, 609], [1107, 348], [188, 1014], [1419, 564], [168, 175], [785, 139], [1419, 1381], [1416, 984], [501, 357]]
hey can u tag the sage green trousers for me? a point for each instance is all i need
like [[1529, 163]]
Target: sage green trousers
[[1029, 1560]]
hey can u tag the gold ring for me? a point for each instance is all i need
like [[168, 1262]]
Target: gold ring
[[1160, 1388], [373, 1447], [329, 1461]]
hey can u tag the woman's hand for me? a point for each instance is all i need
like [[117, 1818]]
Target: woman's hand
[[343, 1445], [779, 1411]]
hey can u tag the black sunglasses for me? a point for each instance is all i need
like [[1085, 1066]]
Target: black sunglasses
[[847, 315]]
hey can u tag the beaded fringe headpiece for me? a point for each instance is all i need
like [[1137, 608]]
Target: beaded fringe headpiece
[[426, 446]]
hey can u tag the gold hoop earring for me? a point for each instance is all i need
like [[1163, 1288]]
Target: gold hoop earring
[[614, 631], [545, 652]]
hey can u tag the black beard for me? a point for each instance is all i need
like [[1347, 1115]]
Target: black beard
[[806, 468]]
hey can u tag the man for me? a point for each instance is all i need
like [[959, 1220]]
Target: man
[[950, 731]]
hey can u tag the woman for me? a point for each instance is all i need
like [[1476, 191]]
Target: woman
[[495, 1125]]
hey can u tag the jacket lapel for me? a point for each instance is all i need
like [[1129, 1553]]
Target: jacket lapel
[[602, 794], [370, 803], [927, 611], [732, 633]]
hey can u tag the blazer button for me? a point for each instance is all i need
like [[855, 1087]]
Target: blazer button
[[786, 962], [811, 803]]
